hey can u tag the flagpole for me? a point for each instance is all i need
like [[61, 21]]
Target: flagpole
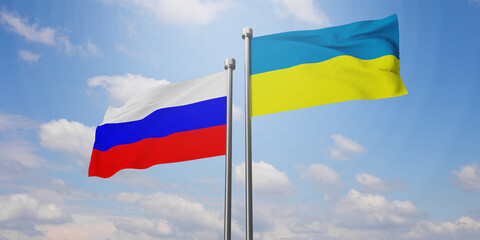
[[227, 227], [247, 34]]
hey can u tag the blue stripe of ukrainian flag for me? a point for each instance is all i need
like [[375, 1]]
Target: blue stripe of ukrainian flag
[[301, 69]]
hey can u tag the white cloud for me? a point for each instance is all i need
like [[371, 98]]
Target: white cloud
[[468, 177], [46, 35], [28, 56], [267, 180], [122, 88], [474, 1], [151, 227], [354, 216], [90, 49], [344, 148], [287, 221], [10, 122], [122, 49], [31, 32], [16, 150], [373, 183], [82, 227], [395, 220], [463, 228], [134, 178], [20, 151], [311, 227], [10, 170], [68, 136], [23, 212], [175, 209], [237, 113], [86, 49], [168, 214], [321, 175], [186, 12], [57, 191], [357, 210], [284, 222], [304, 10]]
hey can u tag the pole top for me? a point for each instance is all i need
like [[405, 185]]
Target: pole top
[[247, 32], [230, 63]]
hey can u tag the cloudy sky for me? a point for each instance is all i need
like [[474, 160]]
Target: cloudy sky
[[399, 168]]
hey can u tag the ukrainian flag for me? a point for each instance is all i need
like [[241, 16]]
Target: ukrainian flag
[[294, 70]]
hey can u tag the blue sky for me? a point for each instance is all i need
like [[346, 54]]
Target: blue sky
[[399, 168]]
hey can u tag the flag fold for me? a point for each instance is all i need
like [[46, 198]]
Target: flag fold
[[169, 123], [300, 69]]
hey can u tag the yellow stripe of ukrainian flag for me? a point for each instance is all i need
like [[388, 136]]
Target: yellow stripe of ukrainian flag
[[338, 79]]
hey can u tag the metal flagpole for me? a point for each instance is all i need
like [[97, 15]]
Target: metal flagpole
[[227, 227], [247, 35]]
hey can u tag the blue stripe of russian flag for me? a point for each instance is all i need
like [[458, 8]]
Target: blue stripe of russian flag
[[163, 122]]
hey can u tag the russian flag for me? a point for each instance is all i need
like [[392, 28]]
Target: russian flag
[[169, 123]]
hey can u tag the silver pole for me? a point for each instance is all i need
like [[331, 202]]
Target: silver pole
[[227, 227], [247, 34]]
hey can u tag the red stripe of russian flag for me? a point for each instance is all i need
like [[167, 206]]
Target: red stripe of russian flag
[[181, 146]]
